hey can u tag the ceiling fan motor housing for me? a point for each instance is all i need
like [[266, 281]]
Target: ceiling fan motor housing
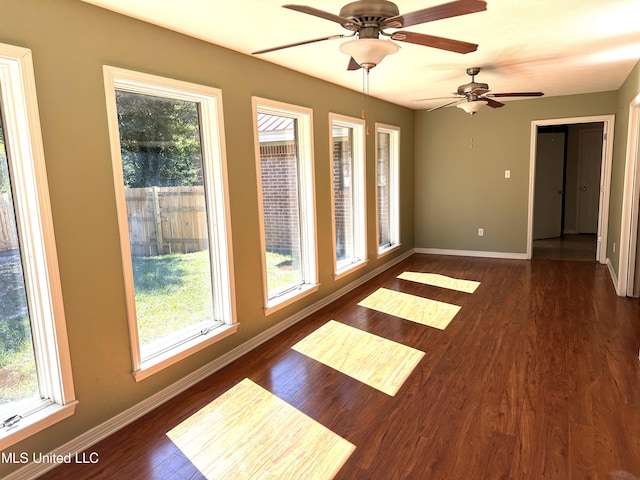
[[473, 89], [368, 13]]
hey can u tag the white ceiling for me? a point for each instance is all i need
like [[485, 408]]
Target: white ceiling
[[559, 47]]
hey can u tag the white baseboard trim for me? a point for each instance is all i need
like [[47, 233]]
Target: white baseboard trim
[[614, 278], [102, 431], [472, 253]]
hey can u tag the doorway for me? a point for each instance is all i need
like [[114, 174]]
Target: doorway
[[569, 184], [567, 191]]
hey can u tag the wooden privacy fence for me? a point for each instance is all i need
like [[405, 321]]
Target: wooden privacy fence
[[161, 220], [166, 220]]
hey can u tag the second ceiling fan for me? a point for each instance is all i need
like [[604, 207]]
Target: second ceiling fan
[[368, 20], [473, 95]]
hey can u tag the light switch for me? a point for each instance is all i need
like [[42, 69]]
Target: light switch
[[507, 174]]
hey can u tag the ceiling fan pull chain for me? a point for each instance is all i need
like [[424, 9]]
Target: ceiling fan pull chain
[[471, 141], [365, 96], [365, 91]]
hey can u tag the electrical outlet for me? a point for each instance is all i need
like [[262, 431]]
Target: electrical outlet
[[481, 232]]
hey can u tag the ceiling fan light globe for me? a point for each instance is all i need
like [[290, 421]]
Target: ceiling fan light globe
[[369, 52], [473, 106]]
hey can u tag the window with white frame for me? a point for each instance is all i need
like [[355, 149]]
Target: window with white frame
[[348, 200], [387, 191], [286, 196], [36, 388], [170, 177]]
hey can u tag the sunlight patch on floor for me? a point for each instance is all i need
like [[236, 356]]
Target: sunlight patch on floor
[[380, 363], [442, 281], [410, 307], [248, 432]]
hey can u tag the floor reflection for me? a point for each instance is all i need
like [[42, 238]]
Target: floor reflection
[[248, 432], [410, 307], [442, 281], [380, 363]]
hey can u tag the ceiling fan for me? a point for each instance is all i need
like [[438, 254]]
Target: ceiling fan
[[474, 95], [368, 19]]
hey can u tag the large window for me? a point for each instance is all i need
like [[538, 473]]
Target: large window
[[169, 170], [348, 200], [36, 387], [387, 191], [287, 210]]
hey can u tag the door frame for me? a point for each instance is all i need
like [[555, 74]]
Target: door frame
[[605, 177], [628, 236]]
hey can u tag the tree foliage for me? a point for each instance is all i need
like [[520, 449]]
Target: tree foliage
[[160, 141]]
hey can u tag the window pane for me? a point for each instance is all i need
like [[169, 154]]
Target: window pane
[[343, 191], [18, 380], [166, 210], [281, 203], [384, 188]]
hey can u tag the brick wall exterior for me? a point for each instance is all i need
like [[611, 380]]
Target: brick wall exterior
[[279, 171], [383, 188], [343, 197]]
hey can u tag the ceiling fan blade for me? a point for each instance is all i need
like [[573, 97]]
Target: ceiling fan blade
[[492, 103], [318, 13], [435, 42], [437, 98], [353, 65], [517, 94], [444, 105], [439, 12], [305, 42]]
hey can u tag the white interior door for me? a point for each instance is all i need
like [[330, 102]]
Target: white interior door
[[549, 173], [590, 161]]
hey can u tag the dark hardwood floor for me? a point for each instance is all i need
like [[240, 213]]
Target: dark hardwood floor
[[567, 247], [537, 377]]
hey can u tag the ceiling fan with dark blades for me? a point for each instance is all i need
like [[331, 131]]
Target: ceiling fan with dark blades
[[368, 20], [473, 95]]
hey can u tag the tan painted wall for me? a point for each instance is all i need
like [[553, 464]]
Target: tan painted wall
[[70, 42], [629, 90], [460, 164]]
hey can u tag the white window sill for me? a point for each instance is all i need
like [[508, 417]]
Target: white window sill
[[352, 267], [279, 303], [35, 422], [160, 362], [387, 250]]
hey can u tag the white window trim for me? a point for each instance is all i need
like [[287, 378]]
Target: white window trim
[[359, 195], [38, 248], [304, 117], [216, 185], [394, 188]]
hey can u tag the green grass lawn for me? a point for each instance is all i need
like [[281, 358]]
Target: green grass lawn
[[17, 375], [174, 291], [280, 271], [17, 364]]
